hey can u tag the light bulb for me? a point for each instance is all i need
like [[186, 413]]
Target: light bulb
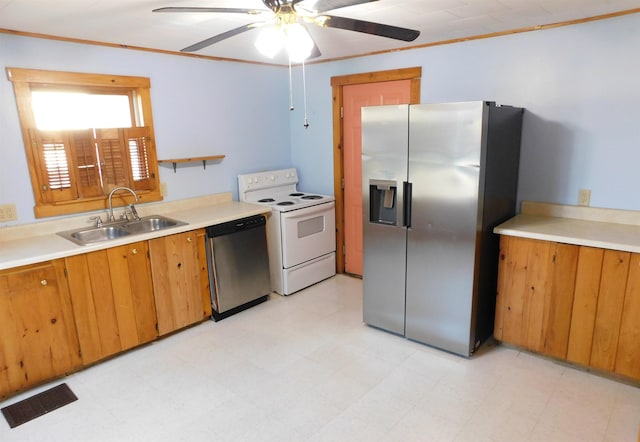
[[298, 42], [270, 41]]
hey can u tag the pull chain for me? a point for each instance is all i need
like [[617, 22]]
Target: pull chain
[[304, 93], [290, 87]]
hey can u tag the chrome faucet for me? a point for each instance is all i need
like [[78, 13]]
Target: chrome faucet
[[97, 220], [133, 209]]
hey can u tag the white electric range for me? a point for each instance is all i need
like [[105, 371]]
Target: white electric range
[[301, 231]]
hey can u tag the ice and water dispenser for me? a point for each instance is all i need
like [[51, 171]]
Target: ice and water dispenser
[[382, 202]]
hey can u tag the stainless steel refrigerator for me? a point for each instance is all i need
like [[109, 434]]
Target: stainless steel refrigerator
[[436, 179]]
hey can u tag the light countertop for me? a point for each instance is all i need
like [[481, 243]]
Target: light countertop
[[38, 242], [585, 226]]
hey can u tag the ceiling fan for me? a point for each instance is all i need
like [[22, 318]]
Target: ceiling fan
[[284, 25]]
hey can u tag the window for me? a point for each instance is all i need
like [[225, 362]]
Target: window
[[86, 134]]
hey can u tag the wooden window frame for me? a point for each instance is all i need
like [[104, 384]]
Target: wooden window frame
[[138, 88]]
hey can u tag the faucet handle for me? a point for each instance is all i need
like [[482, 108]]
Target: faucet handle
[[134, 212], [97, 219]]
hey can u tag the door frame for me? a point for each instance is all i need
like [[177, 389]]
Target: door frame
[[337, 83]]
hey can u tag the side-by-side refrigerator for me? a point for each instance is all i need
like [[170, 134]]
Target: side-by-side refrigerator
[[436, 179]]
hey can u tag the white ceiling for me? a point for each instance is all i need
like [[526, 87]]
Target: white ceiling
[[131, 22]]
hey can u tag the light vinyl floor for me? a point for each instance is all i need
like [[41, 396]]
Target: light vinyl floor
[[305, 368]]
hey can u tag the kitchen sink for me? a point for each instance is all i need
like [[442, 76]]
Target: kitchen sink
[[118, 229], [151, 224], [98, 234]]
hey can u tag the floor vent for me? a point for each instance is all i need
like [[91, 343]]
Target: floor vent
[[38, 405]]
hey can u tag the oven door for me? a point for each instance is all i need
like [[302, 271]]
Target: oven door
[[308, 233]]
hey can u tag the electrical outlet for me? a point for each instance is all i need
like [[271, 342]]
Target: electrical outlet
[[8, 212], [584, 197], [163, 189]]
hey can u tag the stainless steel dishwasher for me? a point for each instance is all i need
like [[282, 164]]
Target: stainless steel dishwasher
[[238, 265]]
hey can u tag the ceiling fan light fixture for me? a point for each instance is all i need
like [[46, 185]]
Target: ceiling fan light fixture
[[298, 42], [270, 40], [293, 13], [293, 36]]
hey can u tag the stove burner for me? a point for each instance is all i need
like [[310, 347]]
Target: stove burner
[[296, 194], [286, 203], [266, 200], [312, 197]]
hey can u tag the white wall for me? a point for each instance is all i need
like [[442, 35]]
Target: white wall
[[200, 107], [580, 86]]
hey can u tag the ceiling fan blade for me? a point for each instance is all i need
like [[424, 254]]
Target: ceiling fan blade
[[328, 5], [217, 38], [204, 9], [367, 27]]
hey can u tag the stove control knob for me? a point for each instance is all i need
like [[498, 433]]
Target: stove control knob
[[272, 177]]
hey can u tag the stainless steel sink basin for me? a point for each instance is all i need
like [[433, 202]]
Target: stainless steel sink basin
[[151, 224], [90, 235], [96, 234]]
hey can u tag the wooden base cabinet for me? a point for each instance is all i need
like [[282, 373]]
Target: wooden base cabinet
[[575, 303], [38, 339], [180, 280], [112, 296], [58, 316]]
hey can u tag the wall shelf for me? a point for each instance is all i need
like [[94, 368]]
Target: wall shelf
[[204, 160]]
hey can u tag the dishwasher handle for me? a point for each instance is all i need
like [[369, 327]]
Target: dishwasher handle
[[238, 225]]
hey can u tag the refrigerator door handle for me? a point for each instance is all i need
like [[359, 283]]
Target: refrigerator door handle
[[406, 206]]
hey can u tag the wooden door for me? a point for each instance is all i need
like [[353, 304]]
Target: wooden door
[[180, 280], [354, 98], [38, 339], [112, 298], [338, 84]]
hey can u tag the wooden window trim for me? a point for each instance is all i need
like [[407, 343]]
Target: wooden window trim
[[138, 89]]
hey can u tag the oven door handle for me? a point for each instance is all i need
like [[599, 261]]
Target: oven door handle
[[307, 211]]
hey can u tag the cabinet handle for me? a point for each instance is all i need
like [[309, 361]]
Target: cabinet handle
[[188, 239], [43, 282], [134, 251]]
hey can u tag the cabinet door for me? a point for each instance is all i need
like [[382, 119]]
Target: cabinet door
[[38, 339], [585, 304], [576, 303], [628, 355], [180, 280], [535, 294], [112, 298], [613, 282]]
